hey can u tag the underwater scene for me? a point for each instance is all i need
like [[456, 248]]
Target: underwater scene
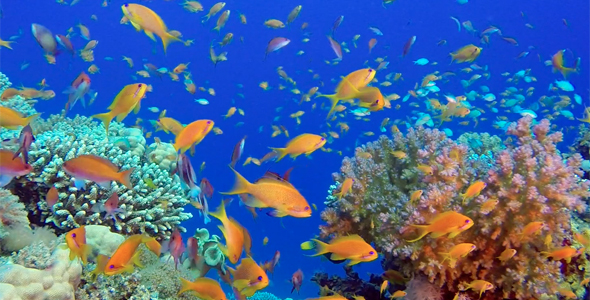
[[294, 149]]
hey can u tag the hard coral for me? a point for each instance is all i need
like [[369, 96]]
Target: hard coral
[[59, 139], [530, 180]]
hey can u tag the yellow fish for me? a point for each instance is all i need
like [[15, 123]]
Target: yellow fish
[[127, 100], [144, 18]]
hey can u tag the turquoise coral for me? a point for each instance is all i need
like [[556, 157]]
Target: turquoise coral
[[68, 138]]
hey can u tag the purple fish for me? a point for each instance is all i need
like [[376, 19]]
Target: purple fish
[[337, 24], [187, 174], [65, 42], [275, 44], [25, 140], [238, 151], [45, 38]]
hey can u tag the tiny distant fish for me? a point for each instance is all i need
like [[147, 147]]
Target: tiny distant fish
[[24, 65], [376, 30], [337, 24]]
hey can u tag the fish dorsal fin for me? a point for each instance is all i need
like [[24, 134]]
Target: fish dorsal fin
[[353, 237], [274, 181], [247, 262]]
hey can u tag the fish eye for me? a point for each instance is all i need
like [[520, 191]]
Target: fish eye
[[372, 253], [126, 4], [323, 139], [259, 278], [73, 235], [111, 266], [208, 122], [467, 221], [139, 85], [306, 208]]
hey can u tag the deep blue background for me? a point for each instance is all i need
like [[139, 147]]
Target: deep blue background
[[428, 20]]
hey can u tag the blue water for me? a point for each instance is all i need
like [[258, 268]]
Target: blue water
[[428, 20]]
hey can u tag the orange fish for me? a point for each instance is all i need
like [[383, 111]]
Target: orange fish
[[127, 255], [128, 99], [76, 242], [466, 54], [456, 252], [249, 277], [449, 222], [371, 98], [563, 253], [349, 86], [204, 288], [345, 188], [480, 285], [232, 232], [192, 134], [303, 144], [507, 254], [531, 228], [144, 18], [557, 62], [473, 190], [11, 166], [12, 119], [97, 169], [351, 247], [52, 197], [272, 192], [169, 125]]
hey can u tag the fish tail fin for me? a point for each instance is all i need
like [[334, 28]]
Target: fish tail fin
[[317, 245], [152, 244], [125, 178], [333, 100], [31, 118], [281, 152], [423, 232], [567, 71], [167, 39], [241, 185], [106, 119], [220, 213], [185, 286]]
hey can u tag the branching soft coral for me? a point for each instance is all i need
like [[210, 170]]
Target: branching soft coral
[[529, 179]]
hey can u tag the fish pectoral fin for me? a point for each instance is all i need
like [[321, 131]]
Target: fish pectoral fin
[[137, 107], [136, 26], [276, 213], [454, 233], [150, 34], [353, 262], [241, 284]]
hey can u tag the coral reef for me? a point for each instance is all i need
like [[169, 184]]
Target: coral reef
[[209, 250], [530, 179], [12, 215], [59, 139], [56, 282], [163, 154], [351, 285]]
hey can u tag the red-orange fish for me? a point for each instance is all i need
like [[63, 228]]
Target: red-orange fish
[[97, 169]]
